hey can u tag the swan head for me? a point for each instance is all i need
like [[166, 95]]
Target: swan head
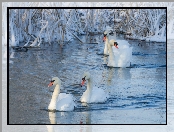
[[107, 33], [86, 76], [112, 42], [54, 81]]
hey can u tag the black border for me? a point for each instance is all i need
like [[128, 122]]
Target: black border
[[8, 8]]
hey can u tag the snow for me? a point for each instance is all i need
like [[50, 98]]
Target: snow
[[118, 20], [83, 21]]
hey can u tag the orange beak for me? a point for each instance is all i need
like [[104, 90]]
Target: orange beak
[[104, 38], [83, 82], [116, 46], [50, 84]]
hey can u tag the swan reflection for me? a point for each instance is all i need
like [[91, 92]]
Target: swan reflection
[[50, 128], [76, 128], [52, 117]]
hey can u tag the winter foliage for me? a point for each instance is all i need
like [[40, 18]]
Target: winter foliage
[[60, 24], [34, 26]]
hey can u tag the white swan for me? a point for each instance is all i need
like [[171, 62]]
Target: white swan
[[107, 32], [120, 54], [92, 94], [60, 101]]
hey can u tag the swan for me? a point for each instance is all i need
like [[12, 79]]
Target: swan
[[60, 101], [120, 54], [107, 32], [92, 94]]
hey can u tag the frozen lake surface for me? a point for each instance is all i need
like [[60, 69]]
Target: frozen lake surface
[[137, 94]]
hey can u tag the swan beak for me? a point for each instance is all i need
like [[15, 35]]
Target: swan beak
[[83, 82], [116, 46], [50, 84], [104, 38]]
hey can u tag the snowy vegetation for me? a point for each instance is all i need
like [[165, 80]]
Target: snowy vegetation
[[34, 26]]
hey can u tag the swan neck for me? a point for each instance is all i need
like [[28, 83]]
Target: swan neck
[[111, 56], [53, 101], [107, 40], [110, 51], [89, 84], [56, 91]]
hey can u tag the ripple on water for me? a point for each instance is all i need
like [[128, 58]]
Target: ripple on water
[[141, 86]]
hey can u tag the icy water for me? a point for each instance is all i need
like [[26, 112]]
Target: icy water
[[137, 94]]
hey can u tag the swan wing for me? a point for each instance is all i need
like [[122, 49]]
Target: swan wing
[[98, 95], [65, 102]]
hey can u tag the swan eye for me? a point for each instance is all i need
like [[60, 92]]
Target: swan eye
[[105, 35], [83, 78], [52, 80]]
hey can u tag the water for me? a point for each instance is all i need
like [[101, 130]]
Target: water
[[137, 93]]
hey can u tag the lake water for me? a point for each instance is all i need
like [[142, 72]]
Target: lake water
[[137, 94]]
